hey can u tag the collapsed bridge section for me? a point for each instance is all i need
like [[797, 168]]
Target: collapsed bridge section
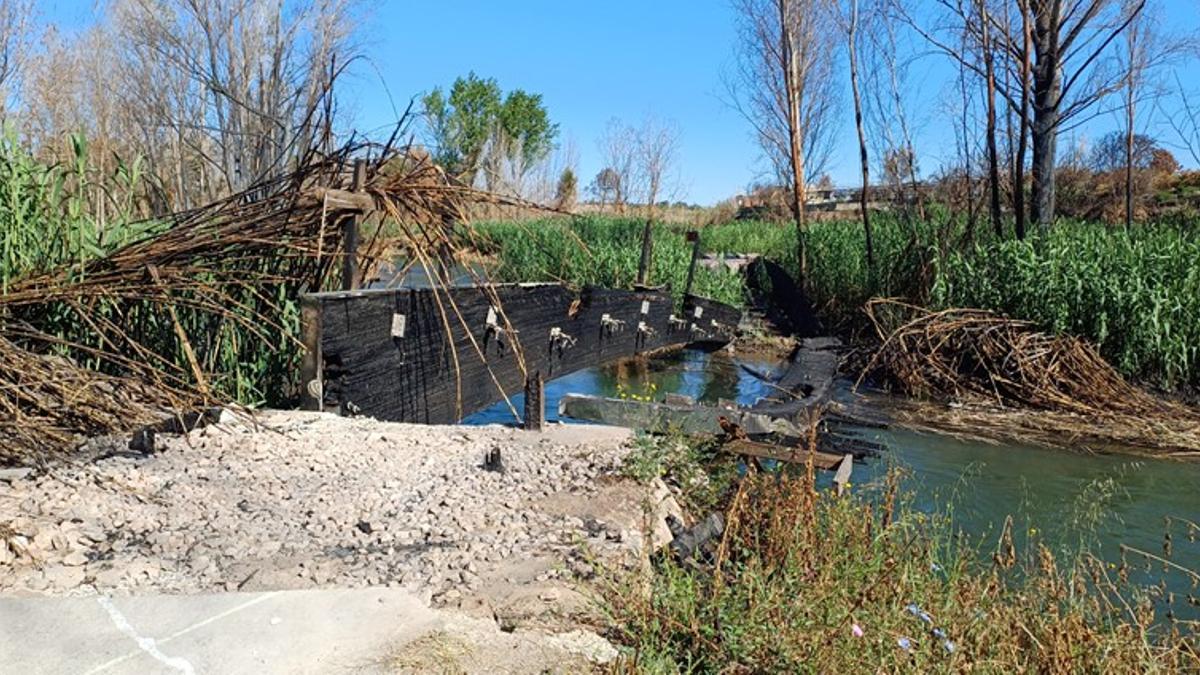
[[436, 355]]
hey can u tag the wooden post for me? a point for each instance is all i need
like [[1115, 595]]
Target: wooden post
[[647, 244], [312, 384], [535, 401], [350, 280], [694, 237]]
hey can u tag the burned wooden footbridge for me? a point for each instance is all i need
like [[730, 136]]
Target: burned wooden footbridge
[[437, 355]]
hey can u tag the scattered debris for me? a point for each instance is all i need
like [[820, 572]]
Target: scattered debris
[[993, 378]]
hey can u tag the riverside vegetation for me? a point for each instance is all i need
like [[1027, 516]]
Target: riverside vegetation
[[1134, 293], [804, 580], [67, 217]]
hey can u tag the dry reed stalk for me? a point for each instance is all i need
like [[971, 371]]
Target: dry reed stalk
[[87, 348], [1005, 379]]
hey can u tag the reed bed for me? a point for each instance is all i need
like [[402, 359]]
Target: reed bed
[[804, 580], [597, 251], [1134, 294]]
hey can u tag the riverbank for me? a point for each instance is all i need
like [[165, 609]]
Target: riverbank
[[550, 555], [802, 579]]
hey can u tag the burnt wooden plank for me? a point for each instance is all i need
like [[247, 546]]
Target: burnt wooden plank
[[435, 356], [535, 402], [783, 453], [710, 321]]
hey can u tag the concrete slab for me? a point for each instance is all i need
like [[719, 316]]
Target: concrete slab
[[317, 631]]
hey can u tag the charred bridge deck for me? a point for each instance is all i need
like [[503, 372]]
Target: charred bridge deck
[[437, 355]]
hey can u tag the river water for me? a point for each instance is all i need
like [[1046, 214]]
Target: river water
[[1062, 498]]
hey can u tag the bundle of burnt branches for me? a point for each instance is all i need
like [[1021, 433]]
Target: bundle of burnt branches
[[974, 355], [203, 310]]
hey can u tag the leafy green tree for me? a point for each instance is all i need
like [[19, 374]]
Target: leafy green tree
[[460, 124], [526, 126], [477, 117]]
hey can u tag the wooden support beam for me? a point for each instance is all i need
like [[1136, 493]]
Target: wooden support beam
[[694, 237], [841, 479], [342, 200], [350, 279], [535, 402], [311, 377], [647, 245], [782, 453]]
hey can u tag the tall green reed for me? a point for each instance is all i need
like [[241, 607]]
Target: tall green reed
[[1134, 293], [59, 217]]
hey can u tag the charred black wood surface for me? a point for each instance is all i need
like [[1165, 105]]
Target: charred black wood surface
[[420, 355], [709, 321]]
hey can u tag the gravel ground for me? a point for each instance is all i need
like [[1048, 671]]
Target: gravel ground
[[309, 500]]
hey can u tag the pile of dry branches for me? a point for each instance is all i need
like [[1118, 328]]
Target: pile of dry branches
[[152, 328], [978, 360]]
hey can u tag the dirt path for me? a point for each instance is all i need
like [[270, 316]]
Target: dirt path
[[307, 500]]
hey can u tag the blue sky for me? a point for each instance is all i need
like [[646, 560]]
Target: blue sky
[[622, 58], [590, 61]]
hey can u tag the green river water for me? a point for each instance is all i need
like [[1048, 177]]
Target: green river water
[[1064, 499]]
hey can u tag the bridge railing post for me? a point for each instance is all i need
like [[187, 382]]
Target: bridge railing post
[[350, 279], [694, 237], [647, 248]]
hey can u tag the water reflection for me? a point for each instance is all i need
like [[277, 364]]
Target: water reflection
[[1066, 500], [704, 376]]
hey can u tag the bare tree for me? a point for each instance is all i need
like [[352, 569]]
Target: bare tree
[[1025, 58], [1069, 76], [990, 80], [852, 37], [887, 79], [15, 36], [1184, 120], [253, 81], [784, 86], [213, 94], [1068, 48], [657, 150], [619, 151], [1145, 49], [657, 146]]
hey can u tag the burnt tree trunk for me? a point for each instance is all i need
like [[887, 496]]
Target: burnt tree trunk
[[1047, 89], [791, 84], [862, 138], [993, 160], [1019, 211]]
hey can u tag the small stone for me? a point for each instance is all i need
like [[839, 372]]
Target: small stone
[[64, 578], [75, 559], [13, 475]]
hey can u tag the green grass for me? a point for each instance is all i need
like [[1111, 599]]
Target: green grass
[[46, 217], [57, 218], [1136, 294], [807, 581]]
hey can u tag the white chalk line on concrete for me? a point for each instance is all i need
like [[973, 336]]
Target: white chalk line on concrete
[[150, 645], [145, 643]]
